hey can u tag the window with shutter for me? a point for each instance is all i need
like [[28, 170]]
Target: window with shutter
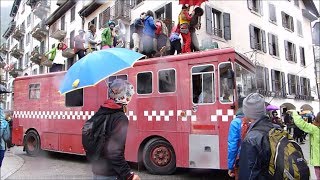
[[299, 28], [272, 13], [63, 23], [273, 44], [216, 23], [255, 5], [290, 51], [73, 13], [227, 26], [273, 80], [287, 21], [266, 73], [302, 56], [309, 88], [283, 84], [257, 38], [298, 85]]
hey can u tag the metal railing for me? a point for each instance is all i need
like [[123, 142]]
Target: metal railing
[[258, 46], [217, 32], [121, 10]]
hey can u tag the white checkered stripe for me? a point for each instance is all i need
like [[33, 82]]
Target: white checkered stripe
[[188, 115], [131, 115], [225, 117], [158, 114], [76, 115]]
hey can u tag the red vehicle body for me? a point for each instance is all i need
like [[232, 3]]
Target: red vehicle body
[[171, 123]]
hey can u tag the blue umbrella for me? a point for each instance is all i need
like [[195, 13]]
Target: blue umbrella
[[97, 66]]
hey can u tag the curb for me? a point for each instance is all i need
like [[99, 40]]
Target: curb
[[17, 166]]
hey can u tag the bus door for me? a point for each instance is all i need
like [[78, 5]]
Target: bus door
[[203, 138], [225, 111]]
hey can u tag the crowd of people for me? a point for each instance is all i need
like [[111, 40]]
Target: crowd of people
[[253, 149], [150, 37]]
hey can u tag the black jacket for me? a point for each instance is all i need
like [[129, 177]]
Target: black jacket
[[138, 26], [112, 161], [255, 151]]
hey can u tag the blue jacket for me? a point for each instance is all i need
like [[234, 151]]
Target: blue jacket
[[234, 139], [4, 131], [149, 27]]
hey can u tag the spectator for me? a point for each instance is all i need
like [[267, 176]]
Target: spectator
[[107, 36], [288, 121], [149, 35], [255, 150], [275, 119], [314, 131], [184, 22], [56, 57], [90, 39], [138, 32], [161, 37], [175, 41], [9, 120], [79, 44], [112, 165], [4, 135], [195, 24]]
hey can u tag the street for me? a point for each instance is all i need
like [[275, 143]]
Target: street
[[63, 166]]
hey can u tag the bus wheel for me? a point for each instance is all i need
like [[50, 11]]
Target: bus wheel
[[159, 157], [32, 143]]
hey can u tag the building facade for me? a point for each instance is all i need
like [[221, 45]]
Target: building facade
[[276, 40]]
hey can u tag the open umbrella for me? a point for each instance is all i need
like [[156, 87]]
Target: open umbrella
[[271, 107], [192, 2], [97, 66], [3, 89]]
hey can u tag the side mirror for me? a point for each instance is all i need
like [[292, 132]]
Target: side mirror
[[230, 76]]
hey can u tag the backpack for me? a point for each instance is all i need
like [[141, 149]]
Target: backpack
[[94, 136], [287, 160]]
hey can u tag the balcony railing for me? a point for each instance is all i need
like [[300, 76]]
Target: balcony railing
[[37, 56], [40, 8], [4, 48], [258, 46], [57, 33], [40, 32], [17, 52], [217, 32], [121, 10], [19, 32]]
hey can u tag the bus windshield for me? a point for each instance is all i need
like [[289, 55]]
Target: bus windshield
[[245, 81]]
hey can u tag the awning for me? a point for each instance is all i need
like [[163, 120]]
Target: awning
[[90, 8], [60, 12], [9, 31]]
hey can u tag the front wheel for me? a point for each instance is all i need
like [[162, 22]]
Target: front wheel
[[32, 143], [159, 157]]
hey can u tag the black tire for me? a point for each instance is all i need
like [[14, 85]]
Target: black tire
[[32, 143], [159, 157]]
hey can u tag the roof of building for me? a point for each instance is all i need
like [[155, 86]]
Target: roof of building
[[60, 11], [311, 7], [89, 9], [10, 29], [15, 8]]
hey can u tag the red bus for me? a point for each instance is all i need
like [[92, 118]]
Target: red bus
[[179, 116]]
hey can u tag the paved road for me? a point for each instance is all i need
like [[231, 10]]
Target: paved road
[[62, 166]]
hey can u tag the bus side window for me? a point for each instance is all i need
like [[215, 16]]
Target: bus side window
[[245, 81], [226, 94], [167, 81], [34, 91], [144, 83], [74, 98], [203, 90]]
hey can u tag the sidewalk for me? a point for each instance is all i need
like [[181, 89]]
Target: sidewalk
[[10, 164]]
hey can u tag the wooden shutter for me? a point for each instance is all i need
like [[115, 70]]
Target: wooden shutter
[[266, 76], [283, 84], [301, 86], [297, 85], [208, 19], [289, 83], [309, 88], [270, 44], [294, 52], [283, 16], [273, 80], [286, 49], [272, 11], [264, 44], [250, 4], [252, 37], [168, 13], [291, 23], [276, 44], [261, 7], [227, 26]]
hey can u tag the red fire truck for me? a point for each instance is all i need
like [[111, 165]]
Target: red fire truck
[[179, 116]]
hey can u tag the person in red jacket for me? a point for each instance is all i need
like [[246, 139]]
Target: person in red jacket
[[184, 22], [111, 164]]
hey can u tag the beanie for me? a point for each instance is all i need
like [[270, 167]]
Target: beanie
[[254, 106]]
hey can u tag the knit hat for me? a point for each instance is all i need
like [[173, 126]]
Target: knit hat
[[120, 91], [254, 106]]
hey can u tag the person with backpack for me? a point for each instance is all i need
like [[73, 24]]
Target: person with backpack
[[314, 131], [4, 135], [237, 131], [104, 135]]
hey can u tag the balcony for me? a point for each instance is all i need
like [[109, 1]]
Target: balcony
[[37, 56], [4, 48], [15, 72], [41, 9], [57, 33], [17, 52], [19, 32], [122, 11], [40, 32]]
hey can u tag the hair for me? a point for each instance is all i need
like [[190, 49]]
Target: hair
[[92, 26], [317, 120], [185, 6], [143, 13], [150, 13]]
